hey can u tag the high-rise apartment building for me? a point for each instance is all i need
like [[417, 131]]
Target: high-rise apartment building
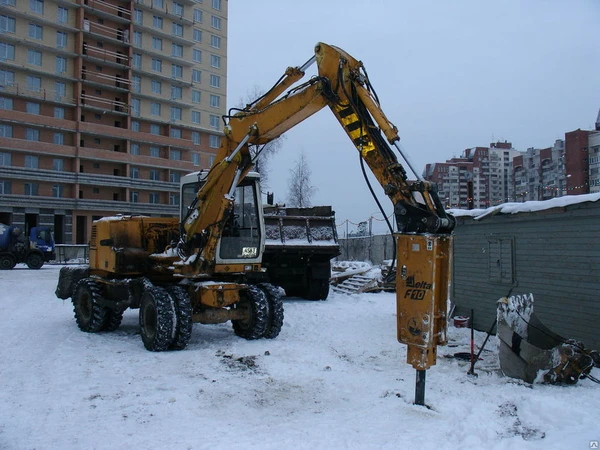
[[104, 104]]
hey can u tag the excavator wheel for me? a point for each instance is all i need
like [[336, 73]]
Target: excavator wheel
[[275, 315], [89, 314], [112, 320], [34, 261], [254, 302], [158, 320], [7, 261], [183, 308]]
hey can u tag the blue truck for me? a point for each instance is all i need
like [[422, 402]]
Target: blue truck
[[17, 247]]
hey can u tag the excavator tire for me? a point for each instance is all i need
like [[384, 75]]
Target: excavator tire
[[157, 319], [112, 320], [34, 261], [255, 302], [89, 314], [183, 309], [7, 261], [275, 316]]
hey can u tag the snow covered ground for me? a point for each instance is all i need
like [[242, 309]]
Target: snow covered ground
[[335, 378]]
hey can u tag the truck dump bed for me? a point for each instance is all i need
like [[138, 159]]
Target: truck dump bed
[[299, 244]]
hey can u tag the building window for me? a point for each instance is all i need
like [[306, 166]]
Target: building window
[[215, 81], [136, 84], [32, 108], [215, 101], [214, 141], [197, 35], [176, 133], [61, 39], [6, 131], [32, 162], [196, 96], [134, 149], [61, 64], [177, 9], [174, 199], [197, 55], [58, 165], [175, 113], [155, 174], [215, 61], [6, 103], [31, 189], [5, 159], [156, 65], [176, 92], [138, 16], [137, 61], [135, 125], [196, 159], [155, 109], [36, 6], [35, 31], [215, 22], [196, 76], [59, 112], [214, 121], [177, 50], [7, 78], [135, 172], [137, 38], [34, 84], [133, 196], [57, 191], [155, 152], [58, 138], [197, 16], [175, 155], [7, 24], [216, 4], [156, 43], [60, 90], [196, 117], [5, 187], [63, 15], [196, 137], [176, 71], [156, 87], [7, 52], [215, 41], [154, 197], [34, 57], [155, 129], [158, 4], [157, 22], [135, 111], [174, 177], [177, 29]]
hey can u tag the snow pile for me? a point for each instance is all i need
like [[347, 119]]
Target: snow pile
[[336, 377]]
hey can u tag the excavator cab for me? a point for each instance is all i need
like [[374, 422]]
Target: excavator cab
[[242, 239]]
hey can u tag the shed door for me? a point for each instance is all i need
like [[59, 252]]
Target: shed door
[[501, 260]]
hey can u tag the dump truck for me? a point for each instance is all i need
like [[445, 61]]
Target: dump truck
[[299, 246], [33, 248]]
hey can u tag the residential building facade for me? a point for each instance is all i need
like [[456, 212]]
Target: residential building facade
[[104, 105]]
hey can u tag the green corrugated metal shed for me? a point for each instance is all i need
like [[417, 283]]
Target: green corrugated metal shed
[[550, 249]]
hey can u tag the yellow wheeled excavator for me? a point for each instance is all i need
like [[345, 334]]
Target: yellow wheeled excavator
[[207, 267]]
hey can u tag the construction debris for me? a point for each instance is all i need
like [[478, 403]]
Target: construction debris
[[532, 352]]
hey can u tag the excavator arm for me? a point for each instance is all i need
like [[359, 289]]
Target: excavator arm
[[343, 85]]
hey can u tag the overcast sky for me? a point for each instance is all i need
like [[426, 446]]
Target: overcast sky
[[449, 75]]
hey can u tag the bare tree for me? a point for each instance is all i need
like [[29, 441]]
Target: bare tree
[[262, 153], [300, 188]]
